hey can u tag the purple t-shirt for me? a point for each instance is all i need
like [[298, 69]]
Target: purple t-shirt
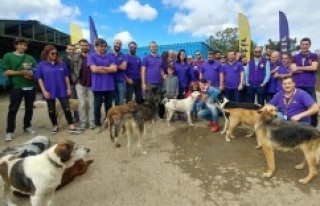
[[101, 82], [194, 72], [282, 70], [53, 76], [211, 72], [306, 78], [232, 73], [119, 76], [133, 67], [183, 72], [153, 66], [301, 102], [271, 85]]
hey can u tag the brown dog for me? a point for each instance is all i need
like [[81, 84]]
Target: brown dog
[[115, 112], [287, 135]]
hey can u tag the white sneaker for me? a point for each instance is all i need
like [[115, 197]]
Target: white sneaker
[[92, 126], [104, 123], [30, 130], [98, 130], [9, 137], [83, 126]]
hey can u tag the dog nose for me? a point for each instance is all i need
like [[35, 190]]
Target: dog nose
[[87, 150]]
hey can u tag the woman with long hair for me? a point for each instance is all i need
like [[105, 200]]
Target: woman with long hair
[[53, 79]]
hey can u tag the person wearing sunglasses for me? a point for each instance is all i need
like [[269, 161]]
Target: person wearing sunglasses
[[54, 82], [257, 76]]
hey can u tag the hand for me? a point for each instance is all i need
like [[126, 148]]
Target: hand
[[27, 66], [130, 81], [221, 88], [276, 75], [294, 70], [144, 87], [262, 85], [296, 118], [68, 92], [29, 75], [240, 87], [46, 94], [164, 76], [247, 84]]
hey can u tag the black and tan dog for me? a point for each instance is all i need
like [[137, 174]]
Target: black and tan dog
[[287, 135], [135, 120]]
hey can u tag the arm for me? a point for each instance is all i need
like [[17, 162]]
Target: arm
[[122, 66], [68, 85], [313, 109], [143, 78], [221, 81], [313, 67], [246, 73], [267, 77], [43, 89], [241, 80]]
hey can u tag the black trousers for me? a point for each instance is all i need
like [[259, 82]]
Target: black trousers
[[137, 90], [52, 110], [16, 96]]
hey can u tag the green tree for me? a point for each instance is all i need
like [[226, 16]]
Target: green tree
[[275, 45]]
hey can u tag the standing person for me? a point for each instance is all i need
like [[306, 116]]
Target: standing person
[[133, 77], [103, 69], [172, 56], [271, 85], [268, 53], [120, 77], [70, 50], [257, 76], [54, 82], [283, 71], [223, 59], [194, 69], [212, 71], [183, 72], [18, 67], [82, 75], [304, 69], [234, 76], [294, 103], [199, 61], [171, 84], [152, 72], [164, 65], [243, 93]]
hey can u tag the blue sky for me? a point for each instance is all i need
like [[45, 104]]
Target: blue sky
[[170, 21]]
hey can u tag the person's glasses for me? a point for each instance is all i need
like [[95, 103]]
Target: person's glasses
[[223, 57], [197, 54], [53, 53], [84, 45], [257, 52], [133, 47]]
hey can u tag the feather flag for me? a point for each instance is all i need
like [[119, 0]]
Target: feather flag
[[244, 35], [75, 33], [284, 33], [93, 34]]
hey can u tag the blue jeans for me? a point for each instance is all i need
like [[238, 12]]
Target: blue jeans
[[99, 97], [120, 92], [312, 92], [252, 91], [210, 112], [232, 94]]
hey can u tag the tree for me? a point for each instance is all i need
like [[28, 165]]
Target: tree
[[275, 45]]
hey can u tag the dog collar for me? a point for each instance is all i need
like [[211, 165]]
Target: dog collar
[[54, 163]]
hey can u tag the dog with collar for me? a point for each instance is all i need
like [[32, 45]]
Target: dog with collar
[[286, 136], [38, 176], [181, 105]]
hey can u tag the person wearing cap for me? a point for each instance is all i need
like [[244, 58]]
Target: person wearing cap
[[194, 69], [205, 108]]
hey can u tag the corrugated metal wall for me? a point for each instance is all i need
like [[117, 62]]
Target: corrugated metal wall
[[189, 47]]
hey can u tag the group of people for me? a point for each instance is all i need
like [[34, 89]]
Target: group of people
[[101, 77]]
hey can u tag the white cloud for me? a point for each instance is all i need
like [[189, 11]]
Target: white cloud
[[202, 18], [136, 11], [124, 36], [46, 11]]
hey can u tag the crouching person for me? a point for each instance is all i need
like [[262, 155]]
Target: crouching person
[[206, 108]]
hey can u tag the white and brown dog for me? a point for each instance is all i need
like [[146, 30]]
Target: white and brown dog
[[38, 176], [181, 105]]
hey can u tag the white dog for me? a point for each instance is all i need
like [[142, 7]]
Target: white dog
[[181, 105], [38, 176]]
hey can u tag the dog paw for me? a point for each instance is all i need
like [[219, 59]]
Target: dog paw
[[228, 140], [191, 125], [304, 180], [267, 174], [117, 145], [299, 166], [232, 136], [258, 146]]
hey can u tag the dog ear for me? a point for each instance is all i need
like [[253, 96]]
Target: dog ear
[[64, 150]]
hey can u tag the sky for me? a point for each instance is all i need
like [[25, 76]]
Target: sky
[[170, 21]]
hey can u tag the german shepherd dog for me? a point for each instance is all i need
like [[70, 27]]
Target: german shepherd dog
[[135, 119], [287, 135], [235, 113]]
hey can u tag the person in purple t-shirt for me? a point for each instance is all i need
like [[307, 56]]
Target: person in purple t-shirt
[[282, 71], [120, 76], [212, 71], [293, 103], [271, 85], [103, 69], [304, 70], [152, 72], [133, 76], [54, 82], [234, 77], [194, 69], [82, 76]]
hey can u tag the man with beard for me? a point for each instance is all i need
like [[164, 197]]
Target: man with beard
[[274, 66], [304, 69], [133, 77], [257, 76], [82, 76], [268, 53], [119, 77]]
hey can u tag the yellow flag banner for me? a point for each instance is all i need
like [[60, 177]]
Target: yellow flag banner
[[244, 35], [75, 33]]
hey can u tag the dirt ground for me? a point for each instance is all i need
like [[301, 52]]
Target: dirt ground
[[187, 166]]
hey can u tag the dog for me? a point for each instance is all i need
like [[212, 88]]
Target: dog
[[39, 175], [135, 119], [181, 105], [235, 113], [287, 135], [114, 114]]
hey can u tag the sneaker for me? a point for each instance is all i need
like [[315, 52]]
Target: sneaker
[[54, 130], [83, 126], [75, 131], [104, 123], [9, 136], [98, 130], [30, 130], [92, 126], [214, 128]]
